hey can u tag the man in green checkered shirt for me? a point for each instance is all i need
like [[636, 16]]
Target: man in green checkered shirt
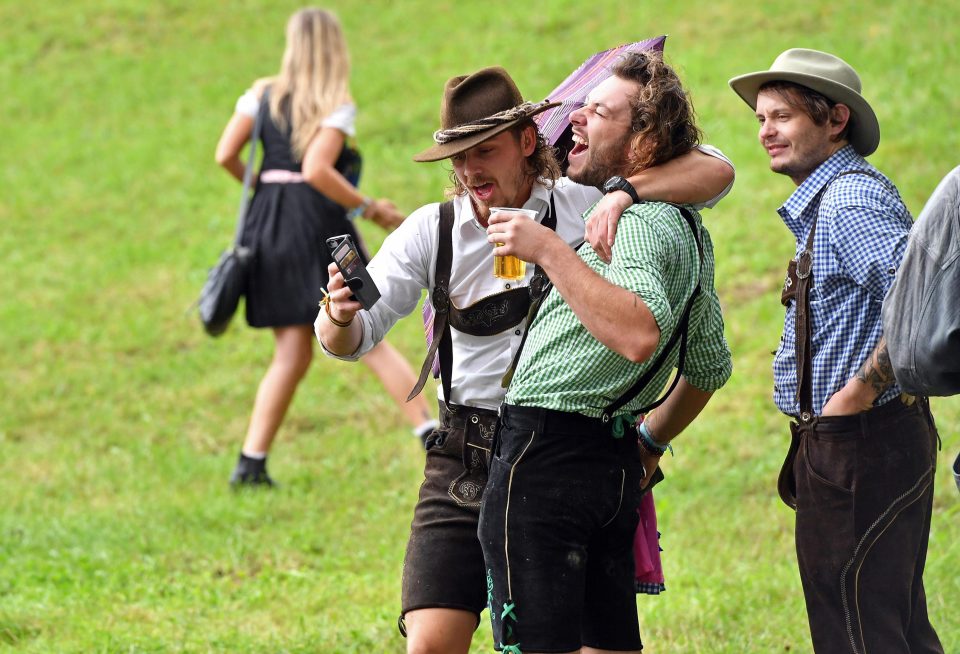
[[565, 482]]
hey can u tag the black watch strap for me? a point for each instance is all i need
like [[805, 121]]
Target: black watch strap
[[618, 183]]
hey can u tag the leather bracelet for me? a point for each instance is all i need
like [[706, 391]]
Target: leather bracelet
[[336, 322]]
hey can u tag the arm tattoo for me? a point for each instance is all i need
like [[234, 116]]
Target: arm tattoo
[[877, 370]]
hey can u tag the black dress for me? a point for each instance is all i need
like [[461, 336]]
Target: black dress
[[287, 226]]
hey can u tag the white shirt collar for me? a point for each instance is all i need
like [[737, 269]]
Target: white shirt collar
[[466, 218]]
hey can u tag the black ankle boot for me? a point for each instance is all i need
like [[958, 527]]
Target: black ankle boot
[[250, 472]]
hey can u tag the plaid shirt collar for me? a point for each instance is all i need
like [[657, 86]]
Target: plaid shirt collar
[[794, 212]]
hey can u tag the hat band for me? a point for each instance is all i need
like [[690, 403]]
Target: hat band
[[442, 136]]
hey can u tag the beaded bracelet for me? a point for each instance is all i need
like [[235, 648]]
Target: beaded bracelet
[[361, 209], [650, 445]]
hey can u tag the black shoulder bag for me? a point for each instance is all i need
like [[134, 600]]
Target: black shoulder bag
[[226, 280]]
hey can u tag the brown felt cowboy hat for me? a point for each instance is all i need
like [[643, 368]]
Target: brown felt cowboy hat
[[476, 107], [826, 74]]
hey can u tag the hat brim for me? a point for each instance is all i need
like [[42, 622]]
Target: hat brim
[[446, 150], [864, 128]]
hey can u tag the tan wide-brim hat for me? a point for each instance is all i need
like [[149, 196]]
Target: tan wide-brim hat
[[826, 74], [472, 99]]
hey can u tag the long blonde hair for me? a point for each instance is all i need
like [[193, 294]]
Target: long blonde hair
[[314, 77]]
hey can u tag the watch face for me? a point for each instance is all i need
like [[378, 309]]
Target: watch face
[[612, 184]]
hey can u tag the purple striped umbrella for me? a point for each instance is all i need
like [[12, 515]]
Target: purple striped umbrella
[[572, 93]]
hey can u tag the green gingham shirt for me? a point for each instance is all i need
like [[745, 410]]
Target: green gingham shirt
[[563, 367]]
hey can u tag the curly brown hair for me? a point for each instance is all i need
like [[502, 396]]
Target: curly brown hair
[[541, 164], [662, 116]]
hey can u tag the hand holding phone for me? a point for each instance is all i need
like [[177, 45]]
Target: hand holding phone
[[347, 257]]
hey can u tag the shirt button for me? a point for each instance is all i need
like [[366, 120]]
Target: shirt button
[[517, 332], [507, 286], [891, 270]]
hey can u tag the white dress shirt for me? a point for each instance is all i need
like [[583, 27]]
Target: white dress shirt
[[404, 267]]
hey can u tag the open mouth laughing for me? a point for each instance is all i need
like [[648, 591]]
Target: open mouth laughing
[[580, 145]]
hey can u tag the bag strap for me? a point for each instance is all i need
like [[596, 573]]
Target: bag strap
[[680, 333], [248, 172]]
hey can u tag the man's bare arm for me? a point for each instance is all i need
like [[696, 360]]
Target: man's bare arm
[[871, 380]]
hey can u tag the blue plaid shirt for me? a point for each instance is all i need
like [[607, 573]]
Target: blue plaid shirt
[[860, 240]]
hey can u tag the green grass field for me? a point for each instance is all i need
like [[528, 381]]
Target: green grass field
[[120, 420]]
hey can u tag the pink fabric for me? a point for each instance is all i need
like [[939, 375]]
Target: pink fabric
[[646, 549], [281, 177]]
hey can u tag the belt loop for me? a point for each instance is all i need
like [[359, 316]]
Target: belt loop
[[541, 421], [865, 420]]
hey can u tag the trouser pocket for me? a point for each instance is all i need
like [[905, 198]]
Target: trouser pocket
[[467, 488], [787, 481]]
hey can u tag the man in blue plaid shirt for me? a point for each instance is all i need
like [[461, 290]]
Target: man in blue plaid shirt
[[860, 468]]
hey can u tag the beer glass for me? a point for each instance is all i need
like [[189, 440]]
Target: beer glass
[[510, 267]]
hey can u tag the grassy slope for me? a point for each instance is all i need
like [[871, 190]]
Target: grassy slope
[[119, 419]]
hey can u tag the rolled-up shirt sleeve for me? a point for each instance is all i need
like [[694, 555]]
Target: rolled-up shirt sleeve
[[650, 253], [709, 363], [870, 246], [638, 261], [715, 152], [401, 270]]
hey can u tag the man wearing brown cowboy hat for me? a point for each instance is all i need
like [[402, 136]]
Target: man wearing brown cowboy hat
[[859, 472], [499, 160], [560, 508]]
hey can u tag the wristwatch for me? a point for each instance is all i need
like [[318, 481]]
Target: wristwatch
[[617, 183]]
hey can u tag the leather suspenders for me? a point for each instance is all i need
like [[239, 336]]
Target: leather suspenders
[[796, 287], [486, 317]]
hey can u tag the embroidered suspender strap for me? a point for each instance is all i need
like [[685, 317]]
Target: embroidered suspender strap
[[440, 298], [680, 333], [803, 332]]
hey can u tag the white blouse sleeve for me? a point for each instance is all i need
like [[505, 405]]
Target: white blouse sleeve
[[343, 118], [248, 104]]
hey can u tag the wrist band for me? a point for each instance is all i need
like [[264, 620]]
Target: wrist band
[[650, 445], [325, 303], [360, 209]]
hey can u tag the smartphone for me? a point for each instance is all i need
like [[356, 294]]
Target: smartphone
[[347, 257]]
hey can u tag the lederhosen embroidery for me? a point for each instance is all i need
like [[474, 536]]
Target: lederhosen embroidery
[[796, 288], [488, 316]]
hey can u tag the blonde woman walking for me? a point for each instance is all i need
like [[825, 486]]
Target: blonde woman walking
[[304, 194]]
